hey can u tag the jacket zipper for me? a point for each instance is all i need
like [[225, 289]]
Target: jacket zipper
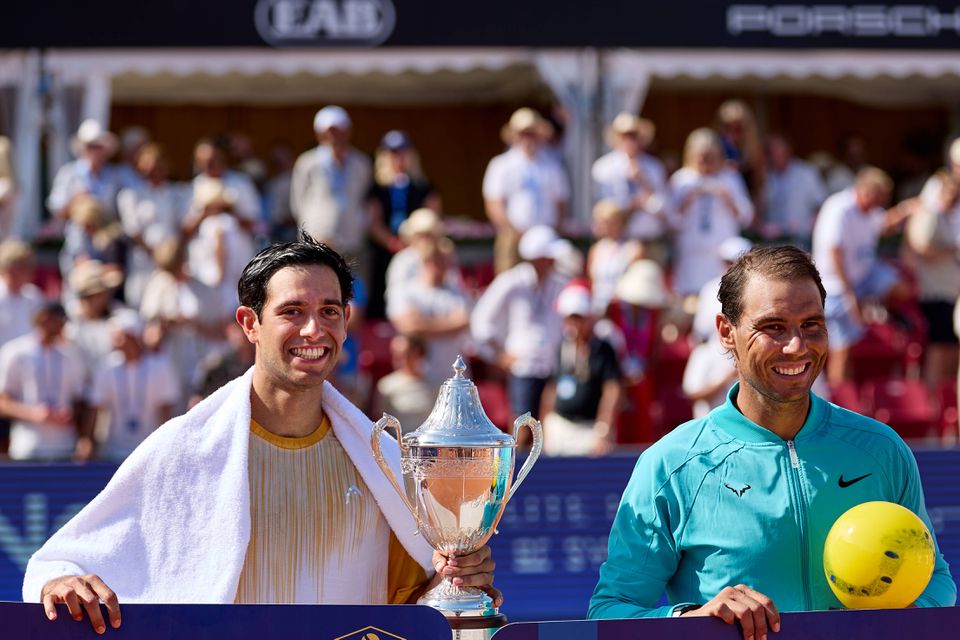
[[801, 520]]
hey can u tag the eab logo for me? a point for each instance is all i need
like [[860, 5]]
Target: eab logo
[[370, 633], [288, 23]]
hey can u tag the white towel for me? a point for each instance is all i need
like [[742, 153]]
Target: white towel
[[173, 523]]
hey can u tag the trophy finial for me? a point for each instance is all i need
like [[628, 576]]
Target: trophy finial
[[459, 367]]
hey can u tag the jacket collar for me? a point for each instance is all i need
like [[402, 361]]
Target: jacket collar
[[729, 418]]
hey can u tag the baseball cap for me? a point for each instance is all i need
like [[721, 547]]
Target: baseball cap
[[731, 249], [396, 140], [574, 301], [331, 116], [540, 242]]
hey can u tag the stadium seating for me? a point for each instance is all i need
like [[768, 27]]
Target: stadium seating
[[496, 404], [882, 353], [847, 395], [904, 404], [374, 358], [949, 418]]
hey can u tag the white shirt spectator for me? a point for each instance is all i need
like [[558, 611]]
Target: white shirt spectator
[[611, 259], [133, 395], [930, 197], [329, 199], [705, 224], [53, 376], [181, 304], [611, 176], [404, 269], [532, 187], [842, 224], [247, 203], [519, 317], [708, 306], [709, 365], [154, 214], [93, 337], [792, 198], [76, 177], [16, 311], [204, 264], [433, 302]]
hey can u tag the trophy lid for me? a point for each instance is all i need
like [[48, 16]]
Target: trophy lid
[[457, 418]]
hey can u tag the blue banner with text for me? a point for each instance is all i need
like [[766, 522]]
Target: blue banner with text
[[553, 535]]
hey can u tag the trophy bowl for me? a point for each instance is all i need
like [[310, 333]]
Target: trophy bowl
[[457, 470]]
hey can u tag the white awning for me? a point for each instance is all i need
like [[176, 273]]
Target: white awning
[[376, 76], [880, 78]]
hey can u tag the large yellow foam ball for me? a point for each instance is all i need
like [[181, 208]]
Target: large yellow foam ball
[[878, 555]]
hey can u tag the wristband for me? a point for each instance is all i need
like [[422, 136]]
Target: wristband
[[681, 609]]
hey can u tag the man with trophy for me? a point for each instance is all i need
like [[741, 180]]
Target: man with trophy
[[266, 491]]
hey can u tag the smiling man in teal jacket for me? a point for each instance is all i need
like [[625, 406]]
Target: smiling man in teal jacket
[[728, 514]]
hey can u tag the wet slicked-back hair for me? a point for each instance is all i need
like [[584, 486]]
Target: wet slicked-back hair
[[776, 263], [252, 287]]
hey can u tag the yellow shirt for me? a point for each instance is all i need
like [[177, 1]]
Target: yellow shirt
[[316, 533]]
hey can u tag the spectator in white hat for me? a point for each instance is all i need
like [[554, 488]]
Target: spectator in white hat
[[524, 186], [92, 283], [635, 317], [515, 322], [133, 393], [422, 230], [329, 187], [435, 310], [635, 180], [582, 400], [89, 173]]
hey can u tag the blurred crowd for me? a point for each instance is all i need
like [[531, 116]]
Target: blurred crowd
[[609, 337]]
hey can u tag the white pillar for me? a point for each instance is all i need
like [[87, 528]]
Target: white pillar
[[573, 77], [626, 81], [96, 98], [27, 128]]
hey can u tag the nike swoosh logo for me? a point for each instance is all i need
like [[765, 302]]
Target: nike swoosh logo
[[846, 483]]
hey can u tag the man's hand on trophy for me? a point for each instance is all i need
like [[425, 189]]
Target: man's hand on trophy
[[472, 570]]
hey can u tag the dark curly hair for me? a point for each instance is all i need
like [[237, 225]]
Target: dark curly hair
[[252, 287]]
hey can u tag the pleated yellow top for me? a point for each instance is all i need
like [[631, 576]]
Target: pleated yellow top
[[316, 533]]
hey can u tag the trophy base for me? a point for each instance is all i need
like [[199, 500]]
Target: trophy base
[[475, 627], [455, 602]]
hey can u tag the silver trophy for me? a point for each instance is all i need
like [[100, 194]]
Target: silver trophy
[[457, 472]]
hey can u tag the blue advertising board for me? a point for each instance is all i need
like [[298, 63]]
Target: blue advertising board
[[916, 624], [290, 622], [410, 622], [552, 540]]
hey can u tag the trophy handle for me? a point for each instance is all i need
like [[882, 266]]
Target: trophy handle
[[384, 423], [536, 431]]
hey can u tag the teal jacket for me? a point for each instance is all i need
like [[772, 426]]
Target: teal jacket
[[722, 501]]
